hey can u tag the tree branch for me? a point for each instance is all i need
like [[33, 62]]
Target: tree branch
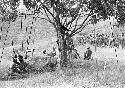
[[81, 24], [49, 18], [44, 7], [74, 26], [70, 25], [79, 30], [65, 22], [73, 19], [48, 21], [70, 22], [76, 22]]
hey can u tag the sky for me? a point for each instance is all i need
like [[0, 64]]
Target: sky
[[21, 7]]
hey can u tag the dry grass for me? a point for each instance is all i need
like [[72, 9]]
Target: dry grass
[[87, 74]]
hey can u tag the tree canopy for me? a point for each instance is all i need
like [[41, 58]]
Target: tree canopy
[[68, 9], [72, 14]]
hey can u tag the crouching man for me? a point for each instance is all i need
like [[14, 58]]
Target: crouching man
[[87, 54]]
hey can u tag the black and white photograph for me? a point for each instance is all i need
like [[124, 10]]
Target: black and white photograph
[[62, 44]]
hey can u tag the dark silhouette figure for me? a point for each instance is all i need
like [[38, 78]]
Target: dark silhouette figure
[[87, 54], [19, 64], [20, 57], [15, 61]]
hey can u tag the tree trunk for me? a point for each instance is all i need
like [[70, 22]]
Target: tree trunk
[[63, 51], [64, 59], [62, 45]]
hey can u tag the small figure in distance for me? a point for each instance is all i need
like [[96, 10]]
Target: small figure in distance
[[52, 53], [44, 52], [87, 54]]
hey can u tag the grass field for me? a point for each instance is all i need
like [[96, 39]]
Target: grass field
[[104, 71]]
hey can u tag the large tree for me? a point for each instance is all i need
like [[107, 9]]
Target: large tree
[[68, 17]]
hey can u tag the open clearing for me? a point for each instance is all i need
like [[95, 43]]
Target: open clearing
[[90, 74]]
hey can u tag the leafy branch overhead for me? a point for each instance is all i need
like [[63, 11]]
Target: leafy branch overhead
[[70, 13]]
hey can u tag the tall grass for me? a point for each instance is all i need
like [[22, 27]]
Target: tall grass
[[86, 74]]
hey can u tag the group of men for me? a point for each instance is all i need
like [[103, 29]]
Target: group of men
[[18, 61]]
